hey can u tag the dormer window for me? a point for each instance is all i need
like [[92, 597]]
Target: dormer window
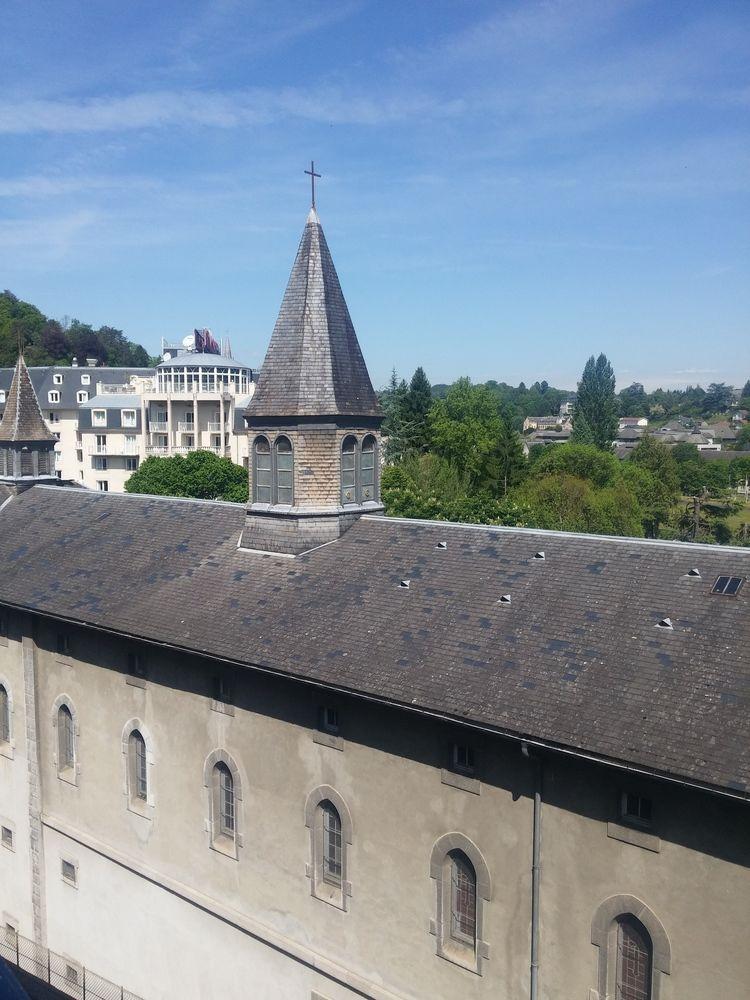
[[57, 379], [99, 418], [53, 396], [82, 396], [85, 380]]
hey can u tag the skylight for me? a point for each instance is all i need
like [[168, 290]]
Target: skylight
[[729, 586]]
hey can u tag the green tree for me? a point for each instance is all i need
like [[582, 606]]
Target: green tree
[[580, 460], [200, 474], [718, 398], [657, 457], [510, 456], [465, 428], [415, 411], [742, 441], [596, 402], [392, 399]]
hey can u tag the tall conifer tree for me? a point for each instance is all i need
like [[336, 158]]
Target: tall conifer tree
[[596, 405]]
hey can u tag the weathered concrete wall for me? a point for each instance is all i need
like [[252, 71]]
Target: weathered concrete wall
[[158, 909]]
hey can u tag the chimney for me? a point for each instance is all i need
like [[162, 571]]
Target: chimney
[[91, 362], [74, 363]]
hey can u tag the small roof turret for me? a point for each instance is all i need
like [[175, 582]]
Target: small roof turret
[[22, 420]]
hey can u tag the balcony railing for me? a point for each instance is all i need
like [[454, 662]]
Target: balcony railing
[[157, 450], [158, 426], [113, 449], [186, 426], [63, 974], [214, 427]]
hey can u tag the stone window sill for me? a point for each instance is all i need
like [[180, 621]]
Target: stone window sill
[[632, 835], [3, 640], [327, 740], [136, 682], [462, 781], [69, 776], [7, 750], [222, 707], [226, 846]]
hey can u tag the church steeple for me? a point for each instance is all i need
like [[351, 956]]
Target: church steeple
[[314, 421], [26, 443]]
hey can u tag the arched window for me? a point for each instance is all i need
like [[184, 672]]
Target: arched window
[[4, 715], [367, 469], [463, 887], [330, 825], [349, 470], [284, 471], [634, 950], [332, 845], [224, 813], [633, 975], [262, 478], [66, 741], [137, 768], [463, 923]]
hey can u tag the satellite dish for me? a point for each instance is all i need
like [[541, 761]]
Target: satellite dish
[[189, 341]]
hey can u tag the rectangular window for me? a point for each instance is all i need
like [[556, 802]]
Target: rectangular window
[[462, 758], [222, 689], [99, 418], [57, 379], [136, 665], [729, 586], [53, 396], [329, 719], [82, 396], [636, 809], [100, 463], [85, 380], [332, 852], [128, 418], [226, 799], [131, 464], [6, 835], [63, 644], [69, 873], [102, 485]]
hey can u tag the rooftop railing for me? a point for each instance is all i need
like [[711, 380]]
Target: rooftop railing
[[64, 975]]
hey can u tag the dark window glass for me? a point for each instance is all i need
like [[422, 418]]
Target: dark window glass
[[727, 585], [284, 471], [633, 961], [226, 799], [462, 758], [349, 470], [139, 789], [262, 480], [332, 844], [463, 899], [636, 808], [65, 739], [367, 469], [4, 716]]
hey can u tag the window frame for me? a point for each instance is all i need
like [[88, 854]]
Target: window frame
[[66, 754], [604, 930], [358, 487], [220, 837], [272, 490], [468, 954], [142, 806], [127, 422], [98, 418], [323, 804], [82, 396], [636, 818], [6, 717]]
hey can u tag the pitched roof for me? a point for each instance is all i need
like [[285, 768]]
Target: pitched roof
[[22, 418], [576, 660], [314, 365]]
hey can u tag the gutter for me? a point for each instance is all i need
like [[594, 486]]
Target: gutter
[[536, 868], [736, 795]]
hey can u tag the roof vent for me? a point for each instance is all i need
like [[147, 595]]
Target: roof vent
[[505, 599], [665, 623], [539, 555], [404, 584], [695, 574], [441, 545]]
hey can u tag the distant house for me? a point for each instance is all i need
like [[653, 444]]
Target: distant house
[[547, 423], [632, 422], [546, 436]]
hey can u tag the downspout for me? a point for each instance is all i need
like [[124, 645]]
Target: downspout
[[536, 869]]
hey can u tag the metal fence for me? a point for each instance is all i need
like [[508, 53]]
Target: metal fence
[[65, 975]]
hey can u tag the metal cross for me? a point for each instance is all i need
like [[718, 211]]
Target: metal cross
[[313, 175]]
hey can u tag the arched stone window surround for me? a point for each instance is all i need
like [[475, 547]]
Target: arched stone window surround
[[439, 926], [270, 494], [313, 820], [604, 936], [214, 842], [70, 777], [146, 808], [7, 749]]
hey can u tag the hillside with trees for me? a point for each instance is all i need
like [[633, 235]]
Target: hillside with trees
[[48, 341]]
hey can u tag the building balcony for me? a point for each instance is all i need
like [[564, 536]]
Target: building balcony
[[158, 426], [157, 450], [186, 426], [214, 427], [112, 448]]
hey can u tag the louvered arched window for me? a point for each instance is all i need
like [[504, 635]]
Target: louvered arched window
[[367, 469], [284, 471], [349, 470], [262, 477]]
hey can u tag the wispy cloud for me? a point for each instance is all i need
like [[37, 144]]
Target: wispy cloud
[[216, 109]]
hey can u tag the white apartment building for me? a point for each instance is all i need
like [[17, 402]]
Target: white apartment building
[[108, 420]]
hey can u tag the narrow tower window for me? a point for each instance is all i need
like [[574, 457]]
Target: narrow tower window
[[224, 825], [4, 715], [349, 470], [284, 471], [137, 763], [262, 478], [367, 469]]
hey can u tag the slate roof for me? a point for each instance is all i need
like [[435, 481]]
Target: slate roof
[[22, 419], [314, 365], [576, 660], [42, 378]]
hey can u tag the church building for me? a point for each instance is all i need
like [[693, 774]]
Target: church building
[[300, 750]]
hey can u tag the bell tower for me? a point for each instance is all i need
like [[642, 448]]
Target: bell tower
[[27, 445], [314, 421]]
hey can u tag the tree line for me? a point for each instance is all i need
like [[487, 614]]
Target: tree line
[[458, 456], [51, 342]]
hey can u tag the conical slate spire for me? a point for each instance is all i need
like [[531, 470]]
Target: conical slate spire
[[314, 365], [22, 420]]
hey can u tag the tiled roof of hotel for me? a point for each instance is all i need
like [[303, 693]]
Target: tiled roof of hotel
[[577, 659]]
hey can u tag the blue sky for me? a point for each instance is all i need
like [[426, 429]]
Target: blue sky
[[507, 187]]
